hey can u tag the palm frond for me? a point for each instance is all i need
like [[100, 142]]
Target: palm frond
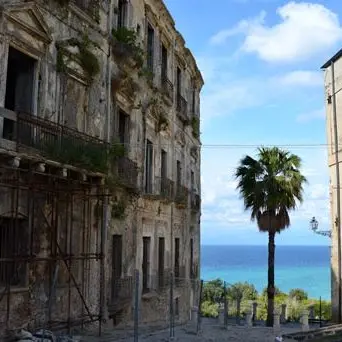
[[270, 185]]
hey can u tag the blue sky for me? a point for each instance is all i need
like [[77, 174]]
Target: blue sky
[[261, 63]]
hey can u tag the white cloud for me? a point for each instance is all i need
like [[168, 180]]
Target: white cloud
[[243, 26], [300, 78], [305, 29], [318, 114], [225, 93]]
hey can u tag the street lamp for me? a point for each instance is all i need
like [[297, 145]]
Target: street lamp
[[314, 224], [314, 227]]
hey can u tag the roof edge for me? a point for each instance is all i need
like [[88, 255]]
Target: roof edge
[[333, 59]]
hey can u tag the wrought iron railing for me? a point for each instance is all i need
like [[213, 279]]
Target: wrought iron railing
[[165, 187], [181, 195], [194, 271], [54, 141], [195, 201], [91, 7], [182, 108], [167, 87], [180, 274], [127, 172]]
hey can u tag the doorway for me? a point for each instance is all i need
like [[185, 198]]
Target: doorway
[[19, 91]]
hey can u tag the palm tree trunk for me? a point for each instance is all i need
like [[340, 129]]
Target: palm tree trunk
[[270, 285]]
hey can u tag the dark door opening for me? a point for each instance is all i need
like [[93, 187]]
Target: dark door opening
[[179, 81], [191, 266], [19, 91], [116, 264], [163, 173], [164, 63], [123, 128], [161, 261], [177, 256], [150, 48], [122, 13], [146, 263], [149, 167]]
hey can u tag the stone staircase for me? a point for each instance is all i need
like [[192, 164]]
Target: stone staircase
[[331, 330]]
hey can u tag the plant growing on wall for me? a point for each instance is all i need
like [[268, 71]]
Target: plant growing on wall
[[148, 75], [158, 112], [85, 57], [130, 87], [63, 2], [125, 46], [195, 123], [92, 8], [118, 209]]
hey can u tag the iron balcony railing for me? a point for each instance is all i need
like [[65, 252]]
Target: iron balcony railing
[[181, 195], [91, 7], [127, 172], [167, 87], [195, 201], [53, 141], [182, 108], [194, 271], [180, 274], [165, 187]]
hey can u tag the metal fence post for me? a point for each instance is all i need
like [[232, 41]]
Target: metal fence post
[[225, 306], [320, 311], [136, 306], [172, 316], [199, 310]]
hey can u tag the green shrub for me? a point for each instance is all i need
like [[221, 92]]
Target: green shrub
[[209, 309], [298, 294]]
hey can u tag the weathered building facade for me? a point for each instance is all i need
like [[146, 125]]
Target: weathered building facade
[[100, 162], [333, 106]]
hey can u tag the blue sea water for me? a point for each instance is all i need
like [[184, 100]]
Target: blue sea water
[[306, 267]]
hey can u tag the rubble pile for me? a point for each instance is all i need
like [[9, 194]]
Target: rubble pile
[[41, 335]]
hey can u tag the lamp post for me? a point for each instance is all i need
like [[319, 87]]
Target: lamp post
[[314, 227]]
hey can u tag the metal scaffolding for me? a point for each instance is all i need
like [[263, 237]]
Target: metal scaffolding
[[51, 250]]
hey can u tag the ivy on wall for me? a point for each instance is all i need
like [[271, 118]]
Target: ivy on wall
[[86, 58]]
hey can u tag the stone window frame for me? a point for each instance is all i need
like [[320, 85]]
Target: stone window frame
[[165, 41], [23, 47], [152, 20]]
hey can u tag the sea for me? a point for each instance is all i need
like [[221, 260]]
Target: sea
[[305, 267]]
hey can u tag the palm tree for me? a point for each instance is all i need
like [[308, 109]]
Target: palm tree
[[270, 187]]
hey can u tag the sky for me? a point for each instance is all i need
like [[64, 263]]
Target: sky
[[260, 60]]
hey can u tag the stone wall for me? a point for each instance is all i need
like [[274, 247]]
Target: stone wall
[[67, 91]]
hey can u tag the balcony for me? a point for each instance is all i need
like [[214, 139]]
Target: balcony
[[25, 133], [126, 171], [180, 275], [165, 188], [182, 108], [91, 7], [195, 202], [181, 196], [194, 271], [167, 87]]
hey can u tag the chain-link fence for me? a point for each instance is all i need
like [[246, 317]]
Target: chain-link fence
[[145, 303]]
